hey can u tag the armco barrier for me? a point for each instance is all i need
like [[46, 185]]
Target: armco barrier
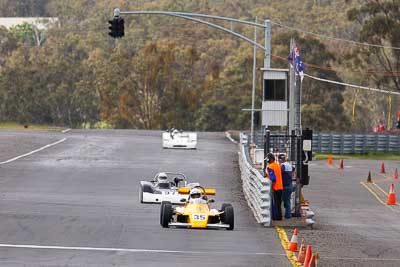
[[256, 188]]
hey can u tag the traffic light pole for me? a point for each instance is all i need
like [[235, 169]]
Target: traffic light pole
[[253, 91], [190, 16]]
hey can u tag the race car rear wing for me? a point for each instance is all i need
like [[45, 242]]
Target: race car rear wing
[[208, 191]]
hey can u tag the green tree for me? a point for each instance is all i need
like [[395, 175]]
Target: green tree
[[165, 72], [213, 117], [380, 21]]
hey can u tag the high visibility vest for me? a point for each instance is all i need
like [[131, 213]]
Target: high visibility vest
[[277, 185]]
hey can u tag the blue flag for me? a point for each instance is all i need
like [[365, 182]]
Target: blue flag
[[296, 61]]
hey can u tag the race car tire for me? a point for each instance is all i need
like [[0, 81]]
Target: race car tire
[[229, 217], [166, 215], [161, 210], [223, 206], [141, 193]]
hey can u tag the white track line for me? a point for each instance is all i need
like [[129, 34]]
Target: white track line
[[66, 130], [34, 151], [135, 250]]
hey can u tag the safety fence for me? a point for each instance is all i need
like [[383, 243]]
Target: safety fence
[[349, 143], [256, 188]]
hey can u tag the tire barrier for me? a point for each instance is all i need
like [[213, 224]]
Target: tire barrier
[[256, 188]]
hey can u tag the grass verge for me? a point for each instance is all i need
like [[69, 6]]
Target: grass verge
[[29, 127]]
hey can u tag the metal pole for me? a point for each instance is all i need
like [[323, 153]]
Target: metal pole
[[142, 12], [253, 93], [298, 176], [266, 148], [291, 92], [267, 59], [298, 105], [177, 14], [297, 127]]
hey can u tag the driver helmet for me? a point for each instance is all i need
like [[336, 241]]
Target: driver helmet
[[162, 177], [195, 193]]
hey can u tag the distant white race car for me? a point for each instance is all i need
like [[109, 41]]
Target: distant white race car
[[178, 139], [164, 187]]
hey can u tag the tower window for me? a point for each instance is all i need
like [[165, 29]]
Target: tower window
[[274, 90]]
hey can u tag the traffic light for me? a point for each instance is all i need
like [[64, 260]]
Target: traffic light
[[113, 28], [117, 28], [120, 27]]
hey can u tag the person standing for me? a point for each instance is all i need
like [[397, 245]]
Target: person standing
[[287, 173], [277, 186]]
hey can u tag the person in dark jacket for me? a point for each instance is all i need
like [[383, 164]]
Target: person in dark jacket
[[287, 171]]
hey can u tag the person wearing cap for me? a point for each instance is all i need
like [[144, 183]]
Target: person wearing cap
[[277, 186], [287, 172]]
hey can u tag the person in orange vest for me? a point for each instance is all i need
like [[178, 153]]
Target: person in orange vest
[[277, 185]]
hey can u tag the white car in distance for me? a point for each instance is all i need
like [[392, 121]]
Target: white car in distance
[[174, 138]]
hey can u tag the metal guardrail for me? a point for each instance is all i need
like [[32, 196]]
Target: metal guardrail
[[349, 143], [256, 188]]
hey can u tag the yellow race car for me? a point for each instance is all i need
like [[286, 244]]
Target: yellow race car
[[197, 211]]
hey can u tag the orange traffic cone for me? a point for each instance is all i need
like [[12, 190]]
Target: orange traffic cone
[[383, 168], [392, 196], [293, 242], [313, 261], [341, 164], [396, 174], [330, 159], [369, 179], [302, 251], [308, 256]]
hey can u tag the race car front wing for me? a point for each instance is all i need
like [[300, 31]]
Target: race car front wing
[[210, 225]]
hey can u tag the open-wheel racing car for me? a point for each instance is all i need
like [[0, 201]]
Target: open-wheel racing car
[[174, 138], [162, 188], [197, 211]]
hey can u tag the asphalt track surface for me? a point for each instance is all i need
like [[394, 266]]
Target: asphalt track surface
[[77, 204]]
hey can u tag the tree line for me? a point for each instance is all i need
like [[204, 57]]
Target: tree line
[[168, 72]]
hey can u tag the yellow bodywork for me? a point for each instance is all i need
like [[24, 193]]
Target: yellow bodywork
[[197, 214]]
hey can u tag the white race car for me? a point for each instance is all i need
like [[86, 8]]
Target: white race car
[[174, 138], [163, 188]]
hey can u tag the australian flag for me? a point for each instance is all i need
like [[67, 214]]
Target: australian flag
[[296, 61]]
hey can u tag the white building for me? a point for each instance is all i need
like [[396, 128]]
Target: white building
[[275, 97], [40, 22]]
